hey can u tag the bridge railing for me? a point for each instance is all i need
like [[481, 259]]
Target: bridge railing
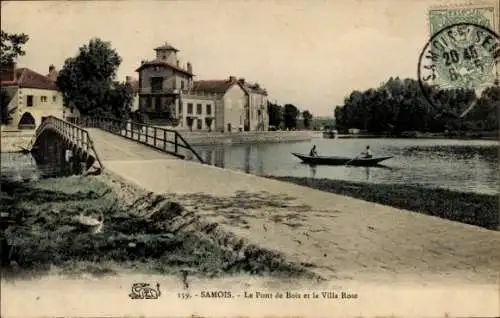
[[167, 140], [76, 134]]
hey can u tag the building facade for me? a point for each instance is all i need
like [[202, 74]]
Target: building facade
[[161, 82], [31, 97], [256, 116], [167, 90], [230, 101]]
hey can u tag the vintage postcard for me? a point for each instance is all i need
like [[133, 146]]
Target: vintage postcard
[[257, 158]]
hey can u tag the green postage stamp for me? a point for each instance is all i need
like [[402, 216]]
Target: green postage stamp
[[441, 17], [463, 49]]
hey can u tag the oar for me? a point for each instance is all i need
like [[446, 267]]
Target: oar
[[348, 162]]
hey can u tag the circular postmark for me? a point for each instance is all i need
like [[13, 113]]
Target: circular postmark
[[459, 56]]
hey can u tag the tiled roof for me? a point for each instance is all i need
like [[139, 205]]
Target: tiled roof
[[256, 89], [167, 46], [164, 64], [213, 86], [26, 78]]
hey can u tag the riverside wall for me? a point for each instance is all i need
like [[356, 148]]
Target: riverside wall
[[15, 140], [209, 138]]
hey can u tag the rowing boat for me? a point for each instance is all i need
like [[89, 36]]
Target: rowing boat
[[337, 161]]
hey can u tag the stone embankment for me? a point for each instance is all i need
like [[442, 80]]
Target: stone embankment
[[210, 138], [15, 140]]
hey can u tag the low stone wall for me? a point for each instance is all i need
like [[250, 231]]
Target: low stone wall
[[206, 138], [14, 140]]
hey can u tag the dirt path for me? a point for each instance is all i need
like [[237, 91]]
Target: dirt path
[[336, 236]]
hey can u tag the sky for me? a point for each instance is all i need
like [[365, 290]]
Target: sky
[[310, 53]]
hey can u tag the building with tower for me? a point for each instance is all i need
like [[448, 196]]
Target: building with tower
[[169, 95]]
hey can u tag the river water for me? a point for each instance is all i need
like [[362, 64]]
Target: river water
[[467, 166], [462, 165]]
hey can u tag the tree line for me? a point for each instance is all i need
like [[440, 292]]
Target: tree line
[[399, 105], [285, 117]]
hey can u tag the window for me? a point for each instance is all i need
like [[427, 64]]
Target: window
[[182, 84], [198, 109], [190, 108], [29, 101], [54, 98], [43, 99], [71, 109], [209, 109], [200, 124], [180, 107], [156, 84]]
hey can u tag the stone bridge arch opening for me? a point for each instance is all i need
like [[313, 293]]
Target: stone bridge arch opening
[[27, 121]]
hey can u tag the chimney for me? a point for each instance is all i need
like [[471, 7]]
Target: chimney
[[232, 79], [189, 68], [128, 79], [52, 68], [241, 81], [8, 72]]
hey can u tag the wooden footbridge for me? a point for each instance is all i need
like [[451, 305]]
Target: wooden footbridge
[[97, 140]]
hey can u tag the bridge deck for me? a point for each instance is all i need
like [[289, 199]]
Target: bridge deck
[[111, 147]]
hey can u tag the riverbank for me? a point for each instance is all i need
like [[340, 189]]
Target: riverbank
[[143, 233], [469, 208], [457, 135], [206, 138], [256, 235]]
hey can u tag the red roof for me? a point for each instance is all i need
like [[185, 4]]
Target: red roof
[[26, 78], [214, 86], [164, 64]]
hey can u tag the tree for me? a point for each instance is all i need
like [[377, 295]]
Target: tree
[[275, 114], [399, 105], [120, 99], [208, 122], [11, 47], [190, 122], [87, 81], [307, 119], [290, 114], [5, 112]]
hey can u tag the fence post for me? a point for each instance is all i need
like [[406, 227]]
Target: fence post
[[147, 134], [154, 142], [176, 142], [164, 139]]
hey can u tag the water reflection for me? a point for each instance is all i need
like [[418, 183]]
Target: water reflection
[[314, 170], [368, 174], [248, 151], [452, 164]]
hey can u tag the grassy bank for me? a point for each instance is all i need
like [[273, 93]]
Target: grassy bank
[[476, 209], [147, 236]]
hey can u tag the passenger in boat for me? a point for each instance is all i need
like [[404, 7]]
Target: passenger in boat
[[368, 153], [313, 151]]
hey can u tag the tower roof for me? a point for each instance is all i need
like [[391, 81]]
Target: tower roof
[[166, 47]]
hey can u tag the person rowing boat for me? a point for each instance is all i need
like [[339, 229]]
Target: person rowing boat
[[367, 153], [313, 152]]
